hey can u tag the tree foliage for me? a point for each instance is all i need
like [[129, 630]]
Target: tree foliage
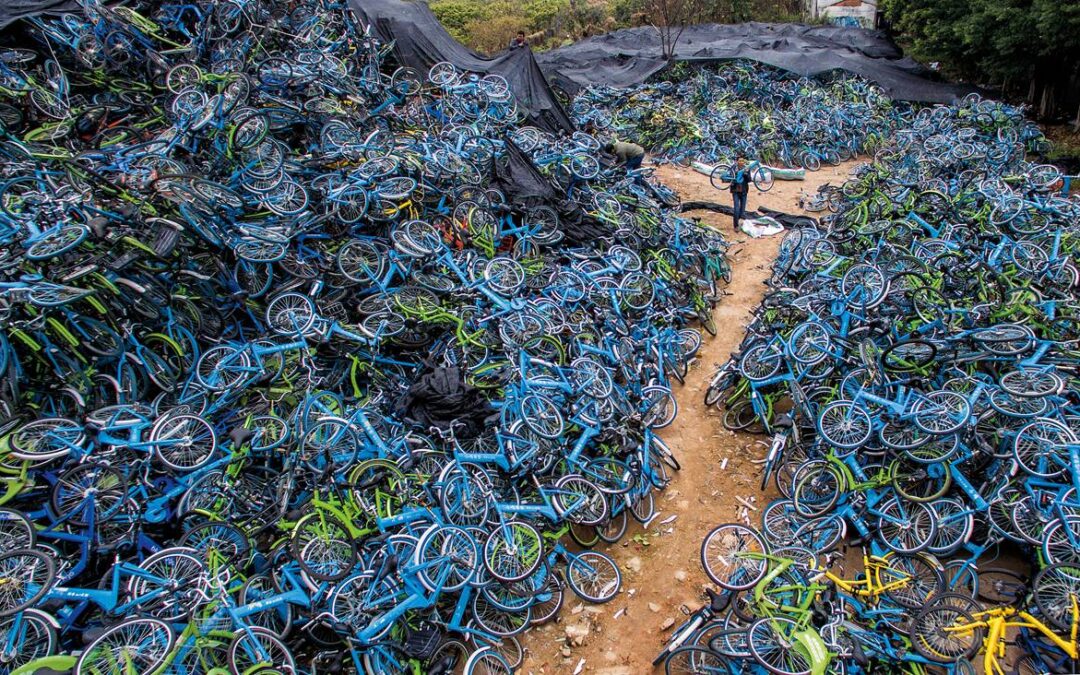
[[549, 23], [1033, 44]]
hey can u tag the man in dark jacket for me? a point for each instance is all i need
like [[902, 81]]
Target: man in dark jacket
[[740, 188], [519, 41], [630, 155]]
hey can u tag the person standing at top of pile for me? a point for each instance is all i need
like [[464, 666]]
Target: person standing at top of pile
[[519, 41], [630, 155], [740, 188]]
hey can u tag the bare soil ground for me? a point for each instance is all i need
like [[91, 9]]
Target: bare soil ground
[[660, 564]]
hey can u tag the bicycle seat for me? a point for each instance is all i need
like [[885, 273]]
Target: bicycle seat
[[240, 436], [99, 226], [443, 666], [91, 634], [718, 602], [784, 422]]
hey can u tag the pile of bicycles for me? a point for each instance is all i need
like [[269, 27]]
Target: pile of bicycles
[[290, 379], [783, 610], [915, 365], [718, 112]]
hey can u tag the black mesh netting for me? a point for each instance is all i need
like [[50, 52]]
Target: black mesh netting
[[420, 42], [628, 57]]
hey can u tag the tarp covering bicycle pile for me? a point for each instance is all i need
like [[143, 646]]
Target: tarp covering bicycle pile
[[420, 42], [631, 56]]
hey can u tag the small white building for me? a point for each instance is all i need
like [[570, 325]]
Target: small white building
[[862, 13]]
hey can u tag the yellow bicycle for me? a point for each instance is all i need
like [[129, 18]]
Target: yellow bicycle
[[906, 580], [953, 628]]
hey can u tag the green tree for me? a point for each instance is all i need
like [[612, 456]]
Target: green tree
[[1014, 44], [493, 35], [455, 15]]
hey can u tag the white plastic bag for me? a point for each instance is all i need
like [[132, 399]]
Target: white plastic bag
[[761, 227]]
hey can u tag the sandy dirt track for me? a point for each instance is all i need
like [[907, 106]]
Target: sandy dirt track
[[660, 564]]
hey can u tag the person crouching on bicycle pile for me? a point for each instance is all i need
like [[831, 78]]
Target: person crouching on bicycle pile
[[630, 155], [740, 188]]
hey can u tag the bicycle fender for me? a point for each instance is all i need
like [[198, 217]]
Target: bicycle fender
[[815, 649]]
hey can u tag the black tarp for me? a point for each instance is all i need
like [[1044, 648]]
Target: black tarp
[[440, 397], [12, 10], [420, 42], [628, 57]]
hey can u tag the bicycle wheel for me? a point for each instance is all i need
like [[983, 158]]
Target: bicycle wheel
[[165, 593], [763, 178], [88, 492], [46, 439], [1031, 383], [844, 424], [914, 579], [905, 527], [542, 416], [1041, 447], [955, 525], [27, 575], [496, 621], [323, 547], [31, 635], [659, 407], [611, 531], [810, 343], [487, 661], [254, 649], [578, 500], [593, 576], [183, 442], [1056, 588], [464, 498], [513, 551], [1002, 586], [775, 646], [908, 356], [761, 362], [733, 556], [941, 412], [547, 601], [1058, 541], [16, 530], [817, 487], [291, 314], [445, 554], [945, 633], [220, 544], [57, 241], [222, 368], [918, 481], [721, 176], [133, 646], [329, 443], [695, 660]]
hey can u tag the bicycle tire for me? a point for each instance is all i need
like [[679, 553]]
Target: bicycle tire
[[732, 556], [931, 642], [593, 576], [330, 538], [144, 644]]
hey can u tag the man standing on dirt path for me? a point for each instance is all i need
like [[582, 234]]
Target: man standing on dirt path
[[630, 155], [740, 188]]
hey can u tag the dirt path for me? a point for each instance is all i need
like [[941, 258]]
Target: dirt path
[[660, 564]]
